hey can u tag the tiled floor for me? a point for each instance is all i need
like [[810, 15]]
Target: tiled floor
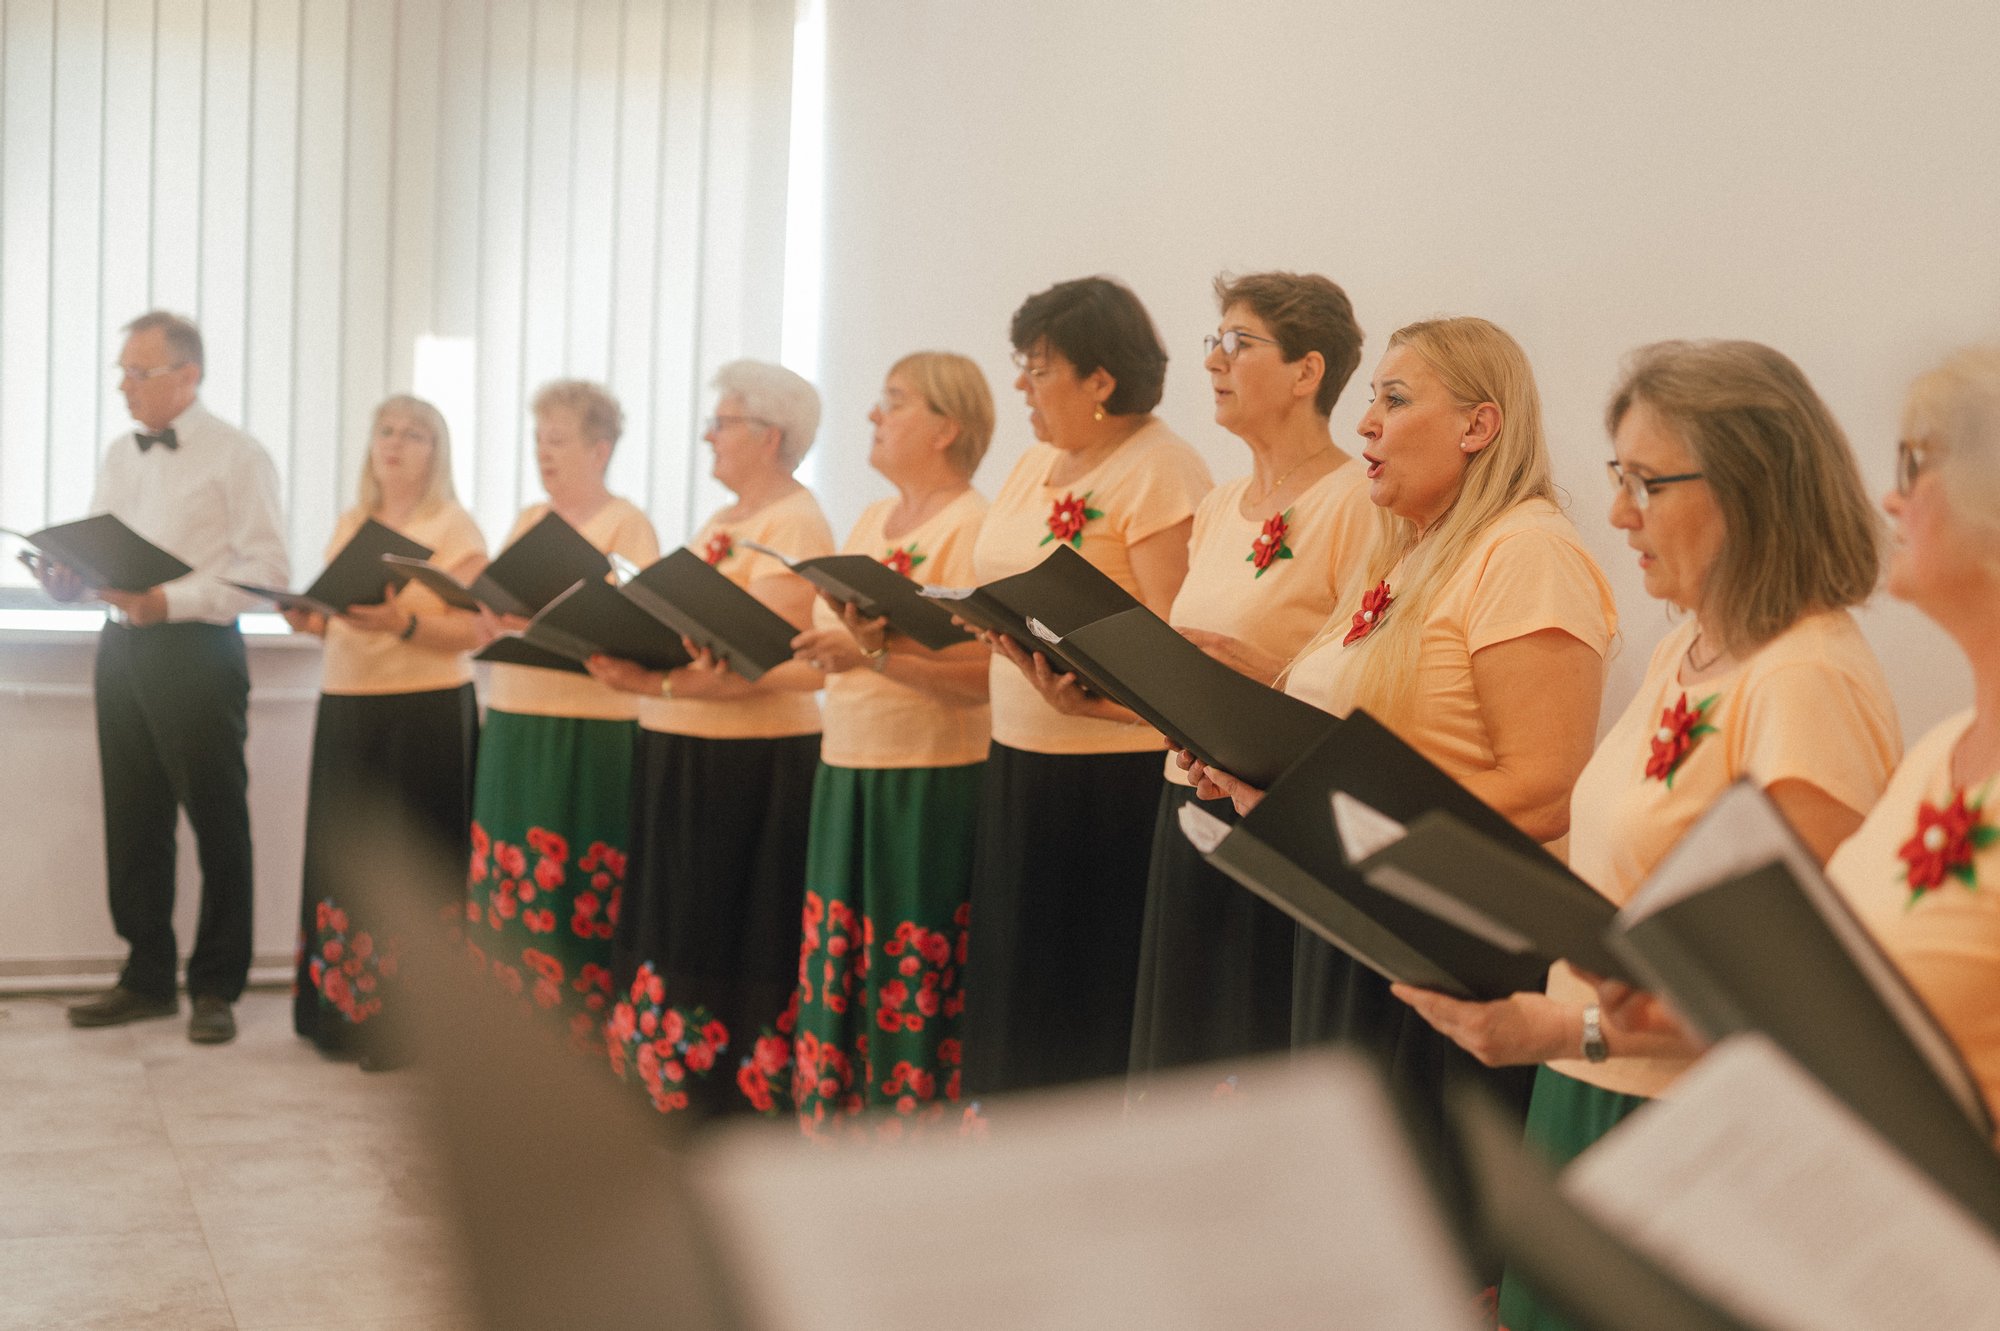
[[149, 1182]]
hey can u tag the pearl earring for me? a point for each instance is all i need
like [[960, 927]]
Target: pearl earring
[[1098, 415]]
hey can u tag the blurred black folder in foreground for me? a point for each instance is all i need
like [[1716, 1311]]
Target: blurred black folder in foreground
[[548, 559], [1065, 591], [876, 590], [1739, 927], [1224, 718], [1288, 851], [594, 618], [106, 553], [700, 603], [354, 576]]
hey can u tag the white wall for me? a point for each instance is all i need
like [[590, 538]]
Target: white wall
[[1590, 176]]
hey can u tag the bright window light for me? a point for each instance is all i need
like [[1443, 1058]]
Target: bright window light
[[805, 189]]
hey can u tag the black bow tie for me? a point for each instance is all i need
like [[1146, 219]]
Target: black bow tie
[[164, 439]]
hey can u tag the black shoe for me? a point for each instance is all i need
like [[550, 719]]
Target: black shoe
[[119, 1006], [212, 1022]]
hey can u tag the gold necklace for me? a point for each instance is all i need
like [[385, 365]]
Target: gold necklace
[[1699, 666], [1279, 484]]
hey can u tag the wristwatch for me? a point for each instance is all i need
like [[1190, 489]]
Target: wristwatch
[[667, 687], [1594, 1047], [409, 630]]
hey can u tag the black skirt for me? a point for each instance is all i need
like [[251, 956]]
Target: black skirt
[[413, 752], [1215, 959], [1058, 896], [707, 943]]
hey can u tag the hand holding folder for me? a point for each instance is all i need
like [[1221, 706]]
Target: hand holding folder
[[546, 561], [106, 554], [1065, 592], [701, 604], [876, 591], [354, 576]]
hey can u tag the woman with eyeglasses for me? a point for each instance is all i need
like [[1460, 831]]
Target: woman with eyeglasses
[[552, 795], [1066, 816], [889, 860], [1264, 567], [397, 727], [1738, 491], [707, 936]]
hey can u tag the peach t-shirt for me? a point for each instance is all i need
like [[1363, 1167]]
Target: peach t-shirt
[[619, 528], [1527, 572], [371, 663], [1945, 940], [1327, 529], [795, 526], [1810, 705], [874, 721], [1149, 483]]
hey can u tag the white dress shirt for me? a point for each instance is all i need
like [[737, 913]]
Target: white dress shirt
[[211, 501]]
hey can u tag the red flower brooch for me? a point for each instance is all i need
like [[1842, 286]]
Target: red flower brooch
[[1269, 546], [1680, 727], [904, 560], [1945, 842], [719, 548], [1375, 603], [1066, 519]]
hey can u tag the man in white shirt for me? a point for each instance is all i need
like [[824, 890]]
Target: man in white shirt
[[172, 682]]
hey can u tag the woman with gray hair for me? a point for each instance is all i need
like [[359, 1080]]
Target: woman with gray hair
[[706, 954]]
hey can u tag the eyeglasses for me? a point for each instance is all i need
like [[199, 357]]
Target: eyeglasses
[[1912, 461], [714, 423], [128, 375], [886, 405], [1037, 370], [1641, 489], [1231, 341]]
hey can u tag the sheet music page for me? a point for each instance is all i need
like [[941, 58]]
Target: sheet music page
[[1363, 829], [1290, 1203], [1760, 1189], [1202, 828]]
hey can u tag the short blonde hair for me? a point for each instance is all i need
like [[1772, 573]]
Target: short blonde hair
[[1955, 409], [955, 388], [1799, 534], [775, 395], [437, 487], [597, 412]]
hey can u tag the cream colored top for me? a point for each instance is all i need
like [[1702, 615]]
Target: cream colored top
[[370, 663], [1148, 484], [874, 721], [1945, 939], [1810, 705], [618, 528], [796, 526], [1273, 593], [1527, 572]]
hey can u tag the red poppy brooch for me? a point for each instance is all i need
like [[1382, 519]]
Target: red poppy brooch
[[904, 560], [1680, 727], [719, 548], [1375, 603], [1944, 844], [1269, 546], [1066, 519]]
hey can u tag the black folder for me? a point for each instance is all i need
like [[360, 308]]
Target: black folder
[[548, 559], [1520, 903], [683, 590], [877, 590], [1224, 718], [355, 576], [106, 553], [1064, 591], [594, 618], [1776, 950], [1288, 852], [514, 649]]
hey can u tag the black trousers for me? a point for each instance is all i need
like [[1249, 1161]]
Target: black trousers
[[172, 715]]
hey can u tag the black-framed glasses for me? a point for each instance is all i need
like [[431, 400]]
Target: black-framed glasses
[[1231, 341], [1641, 489], [1912, 461], [717, 421]]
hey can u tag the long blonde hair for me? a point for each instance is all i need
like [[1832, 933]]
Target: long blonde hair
[[438, 488], [1477, 362]]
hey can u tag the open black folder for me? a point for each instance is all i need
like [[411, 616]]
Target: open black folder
[[594, 618], [106, 553], [548, 559], [1064, 591], [1287, 851], [1226, 719], [355, 576], [876, 590], [683, 590]]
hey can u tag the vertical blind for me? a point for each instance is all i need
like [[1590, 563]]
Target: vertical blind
[[361, 197]]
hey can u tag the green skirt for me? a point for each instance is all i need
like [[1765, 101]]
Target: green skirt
[[550, 809], [888, 873], [1565, 1118]]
